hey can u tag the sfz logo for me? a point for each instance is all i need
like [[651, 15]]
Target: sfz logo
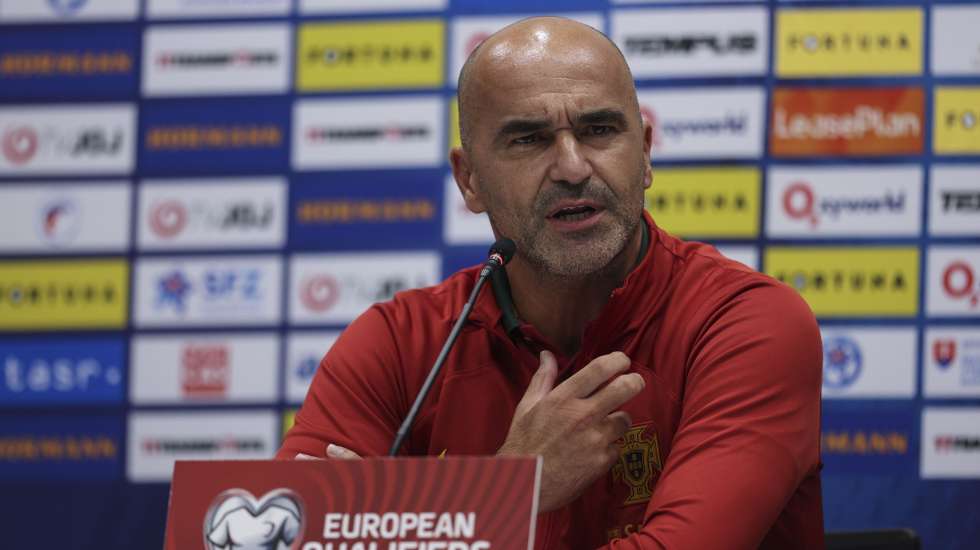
[[236, 519], [960, 283]]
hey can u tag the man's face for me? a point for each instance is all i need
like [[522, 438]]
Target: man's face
[[560, 160]]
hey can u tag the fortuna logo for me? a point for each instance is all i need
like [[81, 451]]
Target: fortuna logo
[[639, 461], [319, 293], [697, 202], [686, 44], [217, 59], [801, 203], [19, 145], [237, 519], [944, 352], [821, 280], [842, 362], [966, 120], [367, 133], [864, 120], [959, 283], [848, 42]]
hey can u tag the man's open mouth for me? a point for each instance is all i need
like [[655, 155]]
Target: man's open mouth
[[573, 213]]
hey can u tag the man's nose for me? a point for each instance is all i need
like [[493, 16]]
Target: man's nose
[[570, 164]]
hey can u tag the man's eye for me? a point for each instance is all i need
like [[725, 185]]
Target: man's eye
[[596, 130], [525, 140]]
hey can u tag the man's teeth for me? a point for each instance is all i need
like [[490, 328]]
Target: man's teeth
[[576, 216]]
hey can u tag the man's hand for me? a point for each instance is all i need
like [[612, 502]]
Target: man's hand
[[573, 427], [333, 451]]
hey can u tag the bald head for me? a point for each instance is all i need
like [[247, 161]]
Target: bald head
[[536, 46]]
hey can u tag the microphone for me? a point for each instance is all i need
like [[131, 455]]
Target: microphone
[[500, 253]]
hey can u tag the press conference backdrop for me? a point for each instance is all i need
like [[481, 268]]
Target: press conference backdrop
[[196, 196]]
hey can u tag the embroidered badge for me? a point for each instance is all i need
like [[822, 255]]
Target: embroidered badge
[[639, 459]]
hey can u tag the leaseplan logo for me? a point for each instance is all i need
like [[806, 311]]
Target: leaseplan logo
[[846, 122]]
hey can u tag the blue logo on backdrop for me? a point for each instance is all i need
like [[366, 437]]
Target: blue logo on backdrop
[[218, 288], [68, 63], [869, 438], [211, 135], [307, 368], [841, 362], [63, 372], [349, 211], [66, 7], [172, 290], [61, 447]]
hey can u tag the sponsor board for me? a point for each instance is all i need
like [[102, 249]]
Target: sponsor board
[[402, 131], [864, 362], [216, 59], [206, 134], [810, 201], [370, 55], [460, 226], [67, 11], [212, 368], [746, 255], [954, 281], [665, 43], [955, 43], [179, 9], [844, 42], [158, 439], [63, 217], [230, 290], [951, 360], [704, 123], [454, 138], [366, 210], [66, 447], [67, 139], [336, 288], [954, 204], [850, 281], [70, 294], [846, 121], [44, 64], [706, 202], [870, 441], [212, 213], [76, 371], [309, 7], [304, 351], [950, 443], [469, 31], [956, 120]]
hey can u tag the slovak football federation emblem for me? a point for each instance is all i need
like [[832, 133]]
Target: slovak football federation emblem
[[639, 460], [944, 352], [236, 519]]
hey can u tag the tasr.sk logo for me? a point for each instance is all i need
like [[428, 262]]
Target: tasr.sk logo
[[58, 375], [800, 202], [960, 283]]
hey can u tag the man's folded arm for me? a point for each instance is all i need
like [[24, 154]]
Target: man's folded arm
[[749, 429], [356, 396]]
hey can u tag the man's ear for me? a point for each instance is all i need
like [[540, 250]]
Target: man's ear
[[466, 180], [647, 147]]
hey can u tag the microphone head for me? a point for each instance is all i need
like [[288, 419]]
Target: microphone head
[[505, 248]]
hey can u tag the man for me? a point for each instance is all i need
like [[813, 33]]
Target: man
[[674, 395]]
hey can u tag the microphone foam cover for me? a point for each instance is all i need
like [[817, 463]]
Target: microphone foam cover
[[505, 247]]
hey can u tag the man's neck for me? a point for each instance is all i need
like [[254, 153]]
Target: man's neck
[[559, 307]]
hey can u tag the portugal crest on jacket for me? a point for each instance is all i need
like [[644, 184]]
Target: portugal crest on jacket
[[639, 461]]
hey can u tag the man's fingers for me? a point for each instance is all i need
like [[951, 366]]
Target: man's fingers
[[542, 382], [616, 424], [302, 456], [619, 391], [584, 382], [340, 453]]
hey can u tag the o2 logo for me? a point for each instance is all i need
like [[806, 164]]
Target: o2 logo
[[960, 283]]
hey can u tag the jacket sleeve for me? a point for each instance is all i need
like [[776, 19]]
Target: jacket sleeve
[[749, 428], [356, 397]]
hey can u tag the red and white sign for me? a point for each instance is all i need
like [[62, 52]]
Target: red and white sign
[[220, 213], [954, 281], [216, 368], [61, 217], [950, 443], [853, 201], [67, 139], [846, 121], [336, 288], [469, 31]]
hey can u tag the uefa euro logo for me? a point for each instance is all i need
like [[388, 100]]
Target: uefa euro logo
[[237, 520]]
